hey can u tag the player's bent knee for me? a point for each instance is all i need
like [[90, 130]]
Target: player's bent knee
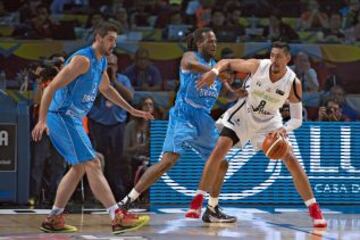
[[168, 160], [94, 164], [78, 168]]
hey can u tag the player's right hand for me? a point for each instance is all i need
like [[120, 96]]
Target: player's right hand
[[207, 79], [38, 130], [142, 114]]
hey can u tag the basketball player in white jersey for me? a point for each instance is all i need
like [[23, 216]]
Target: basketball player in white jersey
[[253, 117]]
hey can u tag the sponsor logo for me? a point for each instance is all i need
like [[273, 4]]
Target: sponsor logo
[[331, 168]]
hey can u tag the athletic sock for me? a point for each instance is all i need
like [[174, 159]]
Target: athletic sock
[[201, 192], [133, 195], [213, 202], [310, 202], [111, 210], [56, 211]]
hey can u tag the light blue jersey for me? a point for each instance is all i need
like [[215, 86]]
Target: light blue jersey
[[205, 97], [78, 97], [190, 124], [68, 107]]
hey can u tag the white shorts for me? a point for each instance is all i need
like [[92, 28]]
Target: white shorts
[[248, 127]]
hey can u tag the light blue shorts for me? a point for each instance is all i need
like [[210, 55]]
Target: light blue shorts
[[190, 128], [68, 136]]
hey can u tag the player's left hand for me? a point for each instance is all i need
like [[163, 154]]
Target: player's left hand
[[142, 114], [207, 79]]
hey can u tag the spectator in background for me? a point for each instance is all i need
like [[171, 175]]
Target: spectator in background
[[354, 32], [309, 80], [92, 21], [7, 18], [139, 17], [332, 112], [233, 17], [40, 25], [58, 6], [313, 18], [337, 93], [224, 32], [107, 126], [28, 10], [285, 112], [350, 13], [144, 75], [278, 30], [121, 19], [137, 137], [227, 53], [46, 161], [203, 13], [334, 34]]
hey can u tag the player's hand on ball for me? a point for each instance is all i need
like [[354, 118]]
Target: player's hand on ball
[[207, 79], [38, 131], [142, 114], [282, 131]]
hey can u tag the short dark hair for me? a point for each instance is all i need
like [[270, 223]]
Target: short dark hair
[[282, 45], [195, 37], [48, 73], [103, 28]]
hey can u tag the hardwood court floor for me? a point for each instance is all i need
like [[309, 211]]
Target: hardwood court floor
[[170, 224]]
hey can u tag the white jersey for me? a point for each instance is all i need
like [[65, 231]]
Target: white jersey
[[252, 117], [265, 97]]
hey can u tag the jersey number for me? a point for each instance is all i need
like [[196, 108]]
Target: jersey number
[[260, 107]]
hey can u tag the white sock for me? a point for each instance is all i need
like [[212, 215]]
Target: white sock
[[213, 202], [111, 210], [56, 211], [200, 192], [310, 201], [133, 195]]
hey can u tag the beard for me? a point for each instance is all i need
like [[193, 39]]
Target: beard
[[108, 51]]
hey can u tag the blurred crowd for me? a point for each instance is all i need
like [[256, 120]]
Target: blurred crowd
[[232, 20]]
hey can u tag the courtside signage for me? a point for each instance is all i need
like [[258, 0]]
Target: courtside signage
[[328, 152]]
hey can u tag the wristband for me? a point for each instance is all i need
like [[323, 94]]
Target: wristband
[[214, 70]]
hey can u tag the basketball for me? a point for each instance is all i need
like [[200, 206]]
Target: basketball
[[275, 146]]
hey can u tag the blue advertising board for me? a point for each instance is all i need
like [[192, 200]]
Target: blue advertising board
[[329, 153]]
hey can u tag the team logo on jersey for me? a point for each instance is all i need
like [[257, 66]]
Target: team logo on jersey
[[280, 92]]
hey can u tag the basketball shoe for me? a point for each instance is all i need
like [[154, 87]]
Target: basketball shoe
[[56, 223], [215, 215], [316, 215], [125, 221], [195, 207]]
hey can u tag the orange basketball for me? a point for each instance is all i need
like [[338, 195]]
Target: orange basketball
[[275, 146]]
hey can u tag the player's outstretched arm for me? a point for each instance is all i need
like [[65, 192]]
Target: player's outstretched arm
[[190, 63], [110, 93], [77, 66], [238, 65]]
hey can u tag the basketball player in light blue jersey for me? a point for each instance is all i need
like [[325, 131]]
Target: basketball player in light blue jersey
[[190, 124], [66, 100]]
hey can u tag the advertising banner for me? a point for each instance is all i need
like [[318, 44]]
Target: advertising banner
[[328, 152]]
